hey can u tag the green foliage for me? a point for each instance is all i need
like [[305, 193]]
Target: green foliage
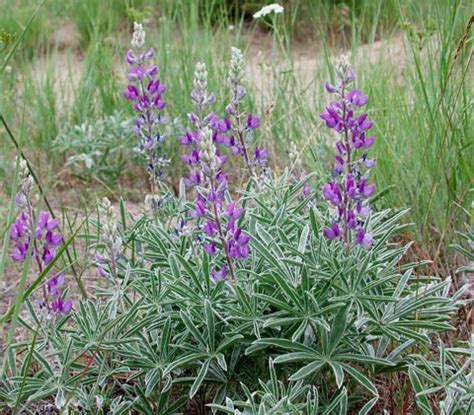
[[449, 380], [307, 326], [98, 151]]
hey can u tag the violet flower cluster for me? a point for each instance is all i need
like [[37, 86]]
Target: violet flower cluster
[[349, 190], [217, 219], [241, 125], [146, 91], [110, 239], [44, 237]]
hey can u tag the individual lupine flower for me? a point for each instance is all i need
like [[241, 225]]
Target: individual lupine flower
[[55, 302], [333, 231], [332, 193], [260, 156], [146, 91], [59, 305], [107, 260], [364, 238], [241, 125], [46, 240], [220, 274], [350, 190]]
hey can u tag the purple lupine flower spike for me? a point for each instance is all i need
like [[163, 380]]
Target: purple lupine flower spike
[[145, 91], [350, 190], [215, 218], [242, 125], [44, 239]]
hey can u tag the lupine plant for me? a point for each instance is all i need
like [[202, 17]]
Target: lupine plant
[[39, 231], [306, 324], [98, 150]]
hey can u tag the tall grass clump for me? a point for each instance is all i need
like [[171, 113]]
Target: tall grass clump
[[427, 109]]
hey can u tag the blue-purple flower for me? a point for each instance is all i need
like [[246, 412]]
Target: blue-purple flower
[[45, 238], [55, 301]]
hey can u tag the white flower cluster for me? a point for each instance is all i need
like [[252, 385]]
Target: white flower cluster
[[236, 72], [294, 156], [271, 8], [208, 148], [199, 93], [25, 184], [344, 70], [200, 77], [138, 38]]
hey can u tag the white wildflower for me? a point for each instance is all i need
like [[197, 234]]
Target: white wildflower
[[271, 8]]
